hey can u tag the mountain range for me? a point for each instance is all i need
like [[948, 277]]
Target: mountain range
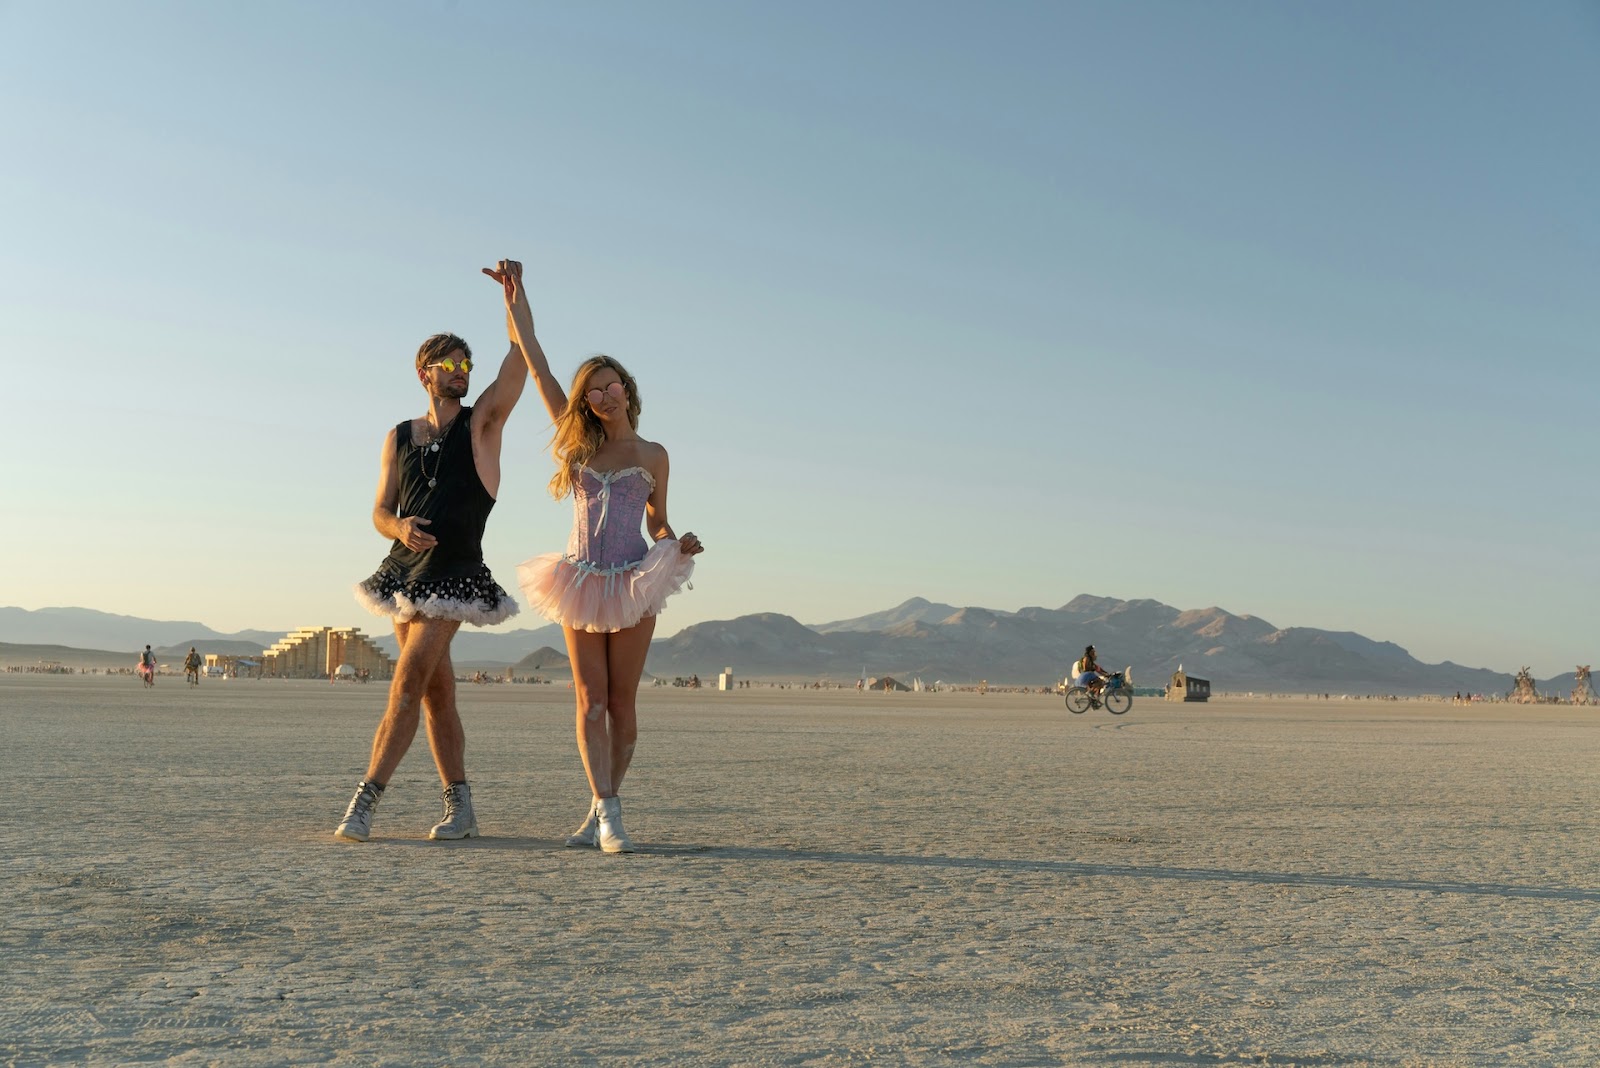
[[916, 639], [1036, 645]]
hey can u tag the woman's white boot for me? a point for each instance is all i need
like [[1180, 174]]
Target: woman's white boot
[[588, 834], [613, 839]]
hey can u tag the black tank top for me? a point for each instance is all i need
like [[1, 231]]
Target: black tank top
[[458, 504]]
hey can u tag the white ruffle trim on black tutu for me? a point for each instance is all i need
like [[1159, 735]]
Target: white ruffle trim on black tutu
[[604, 600], [477, 598]]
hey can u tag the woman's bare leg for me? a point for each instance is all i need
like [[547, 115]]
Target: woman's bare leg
[[588, 654], [626, 652]]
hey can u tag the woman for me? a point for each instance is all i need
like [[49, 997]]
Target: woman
[[1089, 674], [607, 588]]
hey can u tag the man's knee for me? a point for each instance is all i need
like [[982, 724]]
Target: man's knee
[[442, 685], [440, 711], [405, 694]]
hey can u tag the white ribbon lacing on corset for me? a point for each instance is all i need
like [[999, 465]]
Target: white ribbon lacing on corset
[[585, 569], [605, 497]]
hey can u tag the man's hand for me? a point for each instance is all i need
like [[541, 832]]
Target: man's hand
[[413, 537]]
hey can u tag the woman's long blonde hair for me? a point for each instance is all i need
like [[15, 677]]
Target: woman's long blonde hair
[[579, 434]]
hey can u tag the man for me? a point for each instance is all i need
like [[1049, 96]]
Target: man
[[147, 666], [191, 667], [438, 478]]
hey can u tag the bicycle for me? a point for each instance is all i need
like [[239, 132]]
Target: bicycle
[[1116, 695]]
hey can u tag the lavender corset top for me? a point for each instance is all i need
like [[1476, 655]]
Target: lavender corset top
[[608, 508]]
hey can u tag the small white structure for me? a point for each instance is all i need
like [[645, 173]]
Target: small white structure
[[725, 680], [1184, 687]]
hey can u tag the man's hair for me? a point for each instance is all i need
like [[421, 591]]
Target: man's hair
[[438, 347]]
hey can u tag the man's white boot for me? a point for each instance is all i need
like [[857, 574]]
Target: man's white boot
[[459, 819]]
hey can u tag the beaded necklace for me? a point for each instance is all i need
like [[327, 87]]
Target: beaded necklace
[[433, 446]]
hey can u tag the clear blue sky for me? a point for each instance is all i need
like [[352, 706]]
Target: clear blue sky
[[1287, 308]]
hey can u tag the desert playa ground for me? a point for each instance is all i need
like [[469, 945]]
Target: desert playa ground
[[827, 879]]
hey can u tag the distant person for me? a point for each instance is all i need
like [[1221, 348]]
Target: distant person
[[147, 666], [191, 667], [607, 588], [1088, 673], [438, 478]]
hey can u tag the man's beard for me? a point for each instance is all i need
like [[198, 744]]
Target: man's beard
[[450, 391]]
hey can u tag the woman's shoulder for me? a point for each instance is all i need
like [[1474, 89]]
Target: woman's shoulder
[[653, 458]]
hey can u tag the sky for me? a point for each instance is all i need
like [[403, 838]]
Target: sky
[[1283, 308]]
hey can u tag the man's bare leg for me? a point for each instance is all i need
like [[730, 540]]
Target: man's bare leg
[[423, 642], [446, 737], [448, 741]]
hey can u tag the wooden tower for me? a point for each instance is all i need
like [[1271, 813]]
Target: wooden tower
[[1524, 693], [1581, 694]]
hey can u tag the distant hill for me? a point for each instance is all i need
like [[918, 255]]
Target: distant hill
[[920, 639], [914, 610], [212, 646], [17, 655], [916, 639], [87, 628], [502, 648], [90, 629], [545, 661]]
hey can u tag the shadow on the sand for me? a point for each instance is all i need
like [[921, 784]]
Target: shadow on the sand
[[1131, 871], [1074, 868]]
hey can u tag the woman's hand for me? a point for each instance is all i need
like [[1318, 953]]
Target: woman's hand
[[689, 545], [509, 274]]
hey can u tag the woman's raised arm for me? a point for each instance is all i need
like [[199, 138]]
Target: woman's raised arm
[[521, 328]]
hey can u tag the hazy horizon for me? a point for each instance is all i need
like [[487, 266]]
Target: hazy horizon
[[377, 628]]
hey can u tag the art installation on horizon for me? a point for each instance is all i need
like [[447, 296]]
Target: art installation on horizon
[[1581, 694]]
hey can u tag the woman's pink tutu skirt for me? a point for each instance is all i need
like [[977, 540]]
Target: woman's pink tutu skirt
[[582, 596]]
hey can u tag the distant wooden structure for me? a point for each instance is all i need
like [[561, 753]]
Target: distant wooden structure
[[317, 653], [1581, 694], [1188, 688], [231, 666], [1523, 692]]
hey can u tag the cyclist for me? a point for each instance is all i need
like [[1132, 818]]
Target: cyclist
[[1088, 673]]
